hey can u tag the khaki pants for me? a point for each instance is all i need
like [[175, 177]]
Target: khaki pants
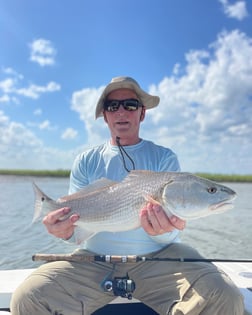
[[174, 288]]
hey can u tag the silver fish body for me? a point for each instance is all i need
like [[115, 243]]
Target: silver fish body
[[115, 206]]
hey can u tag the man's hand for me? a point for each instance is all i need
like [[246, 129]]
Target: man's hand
[[60, 228], [155, 221]]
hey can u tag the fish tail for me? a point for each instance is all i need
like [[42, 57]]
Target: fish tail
[[40, 203]]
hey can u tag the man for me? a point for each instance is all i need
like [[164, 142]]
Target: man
[[167, 287]]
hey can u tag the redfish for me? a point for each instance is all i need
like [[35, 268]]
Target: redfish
[[111, 206]]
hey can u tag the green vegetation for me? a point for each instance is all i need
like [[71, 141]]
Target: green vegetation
[[51, 173], [227, 177], [66, 173]]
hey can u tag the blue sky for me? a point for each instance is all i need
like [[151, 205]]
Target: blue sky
[[57, 56]]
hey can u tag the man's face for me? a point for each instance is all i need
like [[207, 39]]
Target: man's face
[[122, 123]]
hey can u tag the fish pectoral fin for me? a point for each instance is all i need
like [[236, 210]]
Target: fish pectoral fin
[[155, 202], [151, 200], [82, 234]]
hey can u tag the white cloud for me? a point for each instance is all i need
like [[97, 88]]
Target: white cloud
[[16, 141], [21, 148], [237, 10], [43, 52], [12, 72], [34, 91], [84, 102], [208, 110], [4, 99], [45, 125], [10, 86], [37, 112], [3, 119], [7, 85], [69, 134]]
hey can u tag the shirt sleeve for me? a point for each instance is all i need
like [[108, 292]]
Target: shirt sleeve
[[78, 176], [169, 162]]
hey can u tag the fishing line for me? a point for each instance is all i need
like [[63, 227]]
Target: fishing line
[[123, 152]]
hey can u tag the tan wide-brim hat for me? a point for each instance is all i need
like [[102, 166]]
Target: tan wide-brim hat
[[149, 101]]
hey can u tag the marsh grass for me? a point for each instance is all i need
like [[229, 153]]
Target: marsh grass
[[66, 173], [227, 177], [50, 173]]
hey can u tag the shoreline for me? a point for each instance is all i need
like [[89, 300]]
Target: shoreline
[[247, 178]]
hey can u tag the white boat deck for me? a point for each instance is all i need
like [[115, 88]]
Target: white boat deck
[[240, 273]]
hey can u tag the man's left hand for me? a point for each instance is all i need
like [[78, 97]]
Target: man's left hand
[[155, 221]]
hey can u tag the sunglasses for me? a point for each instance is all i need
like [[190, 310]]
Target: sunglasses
[[129, 105]]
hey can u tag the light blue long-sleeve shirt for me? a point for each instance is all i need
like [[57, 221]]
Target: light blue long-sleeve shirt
[[106, 161]]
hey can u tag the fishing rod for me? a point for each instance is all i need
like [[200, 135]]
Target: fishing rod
[[75, 257], [122, 286]]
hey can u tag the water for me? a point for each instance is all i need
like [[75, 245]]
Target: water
[[227, 235]]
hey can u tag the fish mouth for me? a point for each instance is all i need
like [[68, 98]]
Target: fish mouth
[[223, 206]]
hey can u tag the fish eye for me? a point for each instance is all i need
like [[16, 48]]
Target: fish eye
[[42, 199], [212, 190]]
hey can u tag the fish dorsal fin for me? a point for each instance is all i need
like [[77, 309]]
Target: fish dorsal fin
[[137, 173], [99, 184], [140, 172]]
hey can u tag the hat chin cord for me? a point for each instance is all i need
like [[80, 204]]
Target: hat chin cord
[[124, 154]]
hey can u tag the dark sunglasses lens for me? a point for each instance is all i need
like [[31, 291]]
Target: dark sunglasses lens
[[112, 106], [131, 105]]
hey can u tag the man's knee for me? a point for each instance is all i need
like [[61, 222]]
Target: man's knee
[[212, 293], [222, 294], [20, 300]]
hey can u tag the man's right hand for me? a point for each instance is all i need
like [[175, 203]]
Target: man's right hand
[[59, 227]]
